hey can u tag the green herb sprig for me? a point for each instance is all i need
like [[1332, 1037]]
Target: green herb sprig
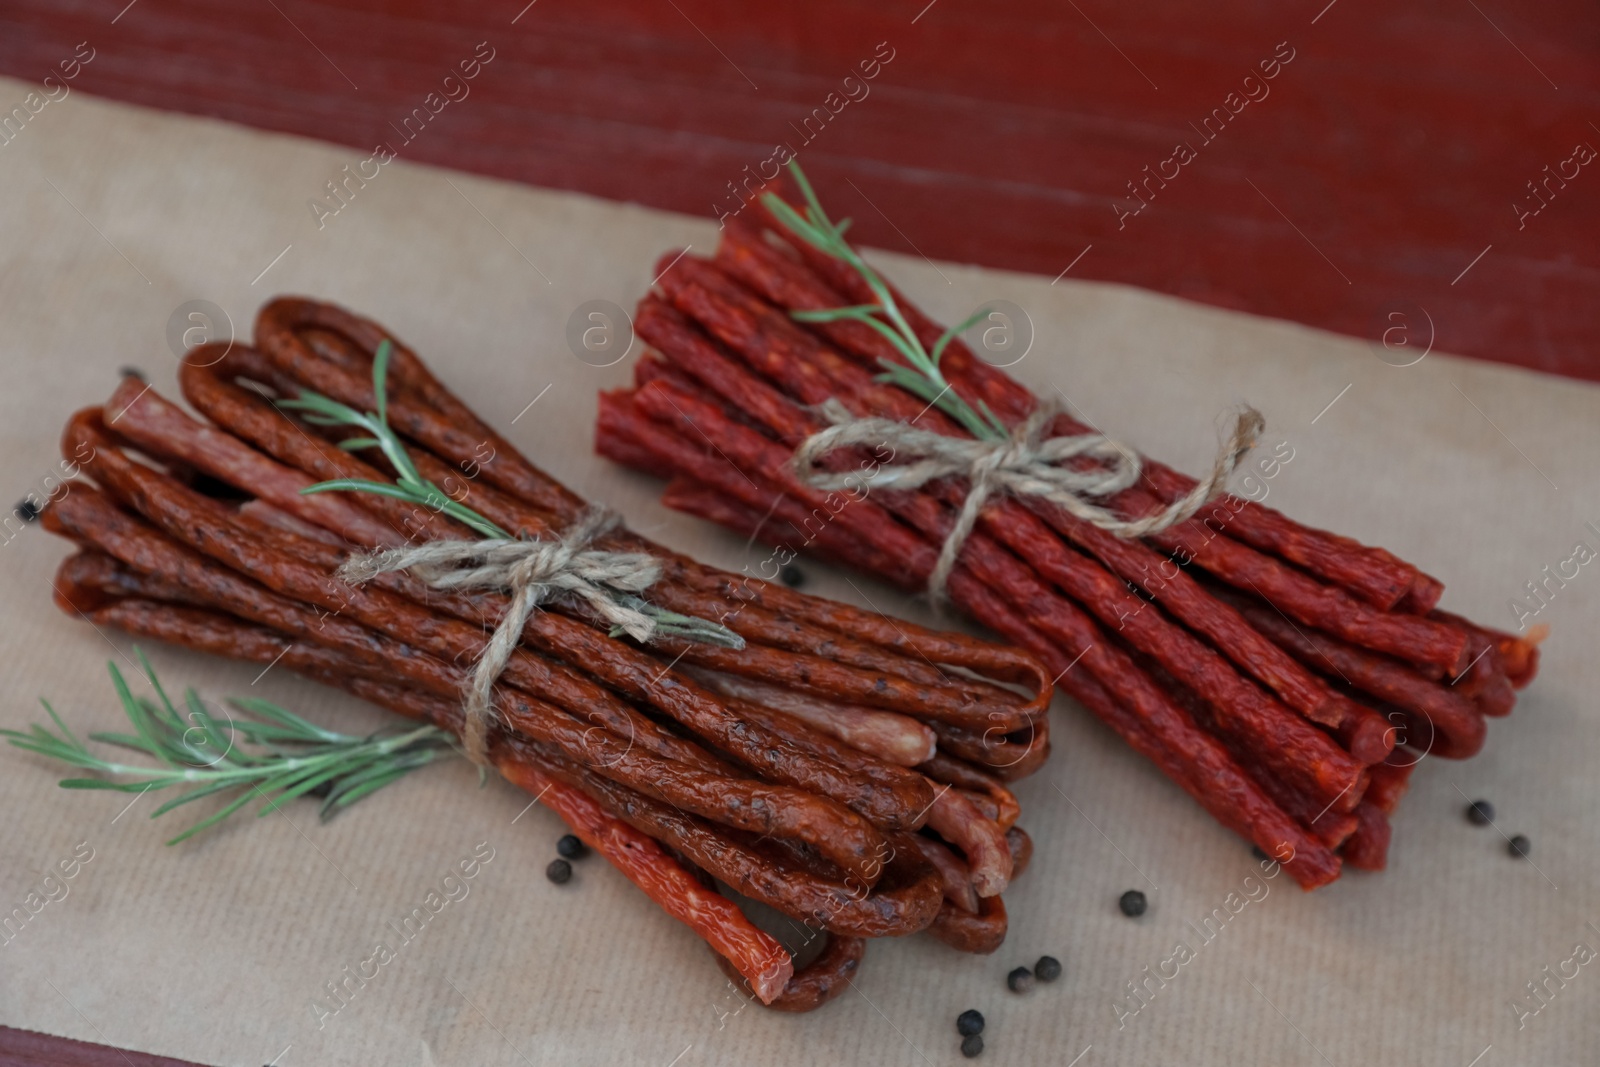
[[410, 485], [295, 757], [920, 373]]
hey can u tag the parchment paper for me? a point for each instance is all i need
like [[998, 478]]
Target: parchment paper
[[217, 950]]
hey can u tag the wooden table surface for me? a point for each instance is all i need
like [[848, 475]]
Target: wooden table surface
[[1408, 172], [1389, 180]]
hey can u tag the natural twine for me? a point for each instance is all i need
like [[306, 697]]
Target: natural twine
[[533, 572], [1027, 464]]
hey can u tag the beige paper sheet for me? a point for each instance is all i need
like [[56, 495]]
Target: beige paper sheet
[[215, 950]]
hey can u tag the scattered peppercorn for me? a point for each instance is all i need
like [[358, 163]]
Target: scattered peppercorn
[[131, 372], [972, 1045], [571, 847], [27, 510], [969, 1022], [559, 872], [1020, 980], [1048, 969], [1520, 846], [1480, 813], [1133, 903], [1255, 850], [793, 577]]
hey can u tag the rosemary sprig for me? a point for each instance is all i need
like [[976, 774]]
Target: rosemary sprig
[[296, 756], [920, 373], [410, 485]]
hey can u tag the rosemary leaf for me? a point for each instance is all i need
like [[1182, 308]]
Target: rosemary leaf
[[854, 311], [194, 794], [356, 444], [217, 816], [67, 735], [101, 783], [950, 334], [350, 794], [268, 710]]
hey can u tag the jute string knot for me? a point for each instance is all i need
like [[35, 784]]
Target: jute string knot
[[1026, 464], [533, 572]]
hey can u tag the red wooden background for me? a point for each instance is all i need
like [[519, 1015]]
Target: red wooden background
[[1379, 174]]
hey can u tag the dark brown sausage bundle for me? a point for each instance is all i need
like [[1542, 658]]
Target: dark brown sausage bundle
[[685, 764]]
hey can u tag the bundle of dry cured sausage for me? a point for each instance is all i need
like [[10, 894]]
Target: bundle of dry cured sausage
[[848, 770], [1269, 669]]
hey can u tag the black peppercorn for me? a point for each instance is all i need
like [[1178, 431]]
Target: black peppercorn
[[1132, 903], [131, 372], [1048, 969], [1255, 850], [793, 577], [571, 847], [559, 872], [972, 1045], [969, 1022], [1020, 980], [1480, 813], [26, 510], [1520, 846]]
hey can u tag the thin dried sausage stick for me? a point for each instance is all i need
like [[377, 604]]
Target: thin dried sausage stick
[[275, 432], [818, 982], [147, 417], [982, 933], [1021, 850], [1011, 756], [1368, 847], [957, 879], [1389, 783], [1486, 679], [892, 737], [983, 841], [913, 790], [943, 768]]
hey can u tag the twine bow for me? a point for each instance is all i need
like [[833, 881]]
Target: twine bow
[[1026, 464], [534, 572]]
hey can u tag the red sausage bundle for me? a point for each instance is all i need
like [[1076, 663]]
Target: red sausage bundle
[[1288, 678]]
